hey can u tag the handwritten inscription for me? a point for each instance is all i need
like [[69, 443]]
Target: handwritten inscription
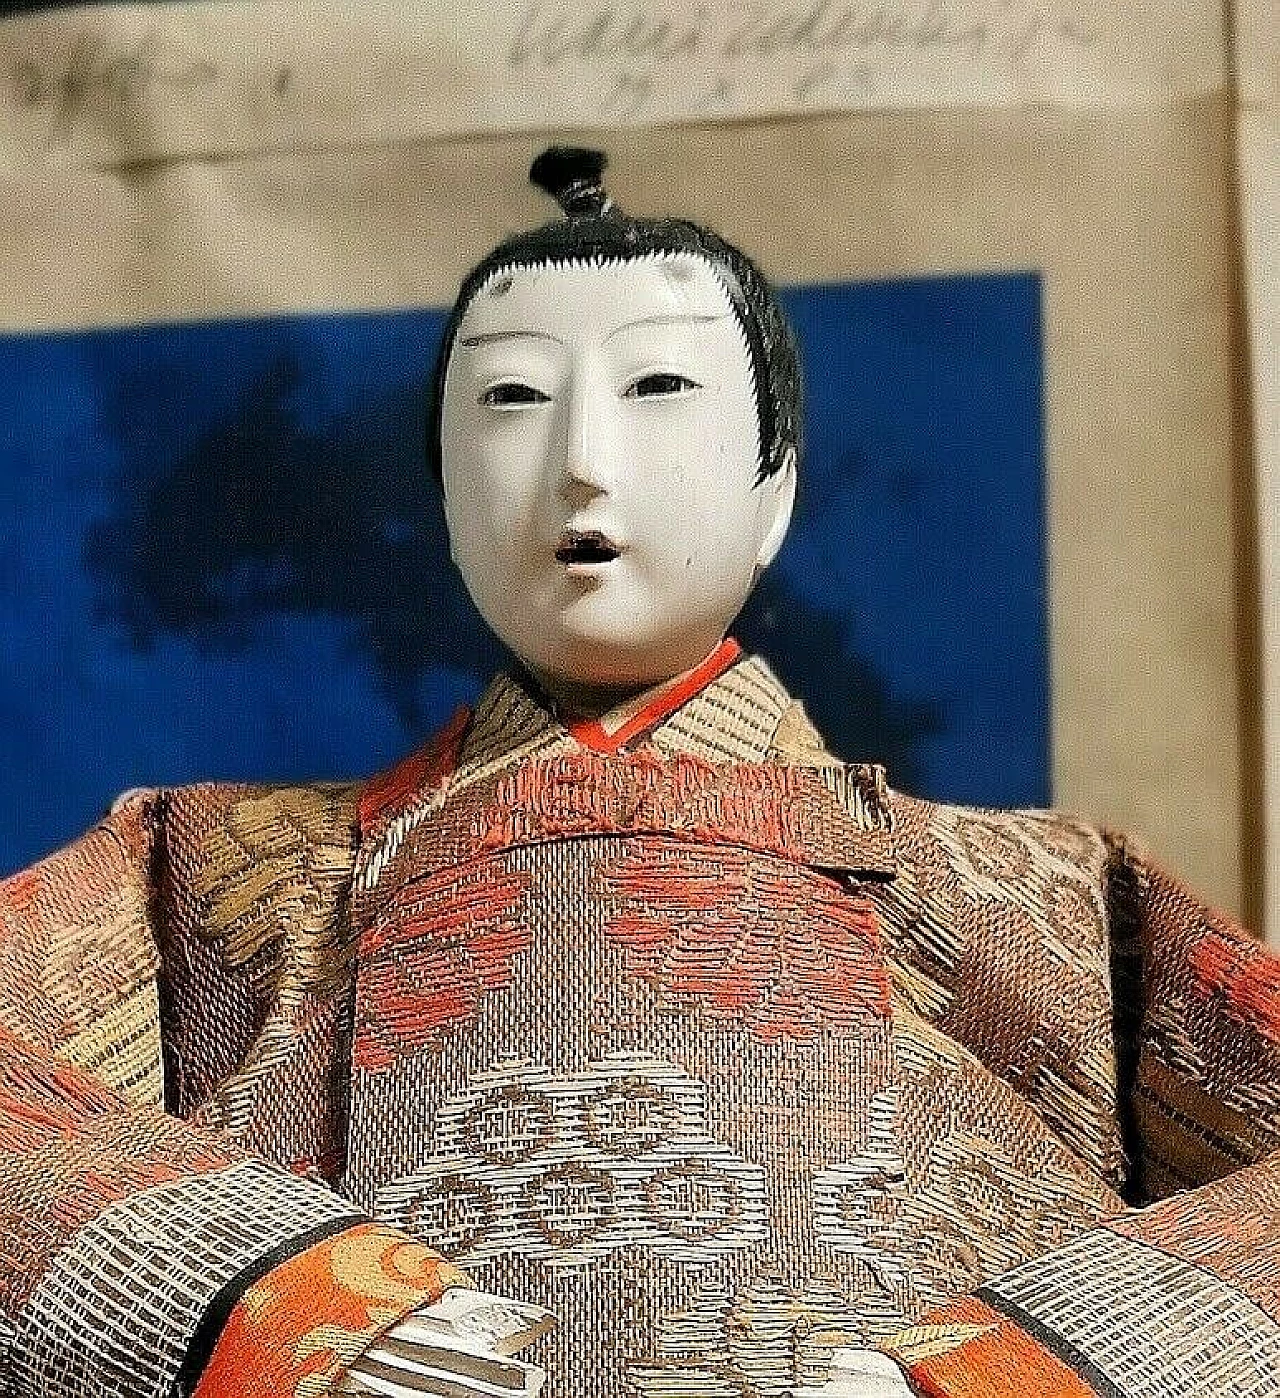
[[94, 69], [549, 37], [622, 62], [831, 51]]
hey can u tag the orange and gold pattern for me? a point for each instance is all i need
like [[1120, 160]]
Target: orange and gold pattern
[[716, 935], [360, 1282], [968, 1350]]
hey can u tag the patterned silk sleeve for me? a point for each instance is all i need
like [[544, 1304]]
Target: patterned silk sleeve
[[1179, 1298], [139, 1254]]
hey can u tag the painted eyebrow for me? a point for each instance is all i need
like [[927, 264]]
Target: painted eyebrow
[[494, 336], [471, 341], [687, 319]]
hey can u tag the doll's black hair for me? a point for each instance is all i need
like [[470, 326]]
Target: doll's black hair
[[595, 231]]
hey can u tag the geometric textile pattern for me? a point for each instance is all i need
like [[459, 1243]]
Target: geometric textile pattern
[[440, 915], [610, 1125], [771, 1339], [1116, 1308], [7, 1338], [294, 1331], [298, 844], [975, 1187], [792, 1162], [469, 751], [69, 1147], [787, 811], [139, 1278], [572, 1168], [826, 819]]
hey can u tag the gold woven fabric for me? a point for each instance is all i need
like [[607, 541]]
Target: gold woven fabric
[[78, 952]]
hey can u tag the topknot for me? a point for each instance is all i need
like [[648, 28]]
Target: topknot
[[571, 175]]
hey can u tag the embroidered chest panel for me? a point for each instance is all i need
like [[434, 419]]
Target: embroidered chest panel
[[624, 1043]]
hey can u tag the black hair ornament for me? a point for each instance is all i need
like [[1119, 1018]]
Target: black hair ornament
[[571, 175]]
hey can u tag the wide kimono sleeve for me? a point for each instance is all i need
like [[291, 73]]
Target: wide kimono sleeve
[[1179, 1298], [140, 1254]]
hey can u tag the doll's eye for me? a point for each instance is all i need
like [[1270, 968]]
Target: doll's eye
[[661, 386], [512, 395]]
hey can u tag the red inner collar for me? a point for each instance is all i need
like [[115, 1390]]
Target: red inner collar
[[590, 734]]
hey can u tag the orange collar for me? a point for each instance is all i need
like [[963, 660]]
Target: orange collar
[[590, 733]]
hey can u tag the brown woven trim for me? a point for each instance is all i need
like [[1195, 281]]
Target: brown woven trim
[[733, 719]]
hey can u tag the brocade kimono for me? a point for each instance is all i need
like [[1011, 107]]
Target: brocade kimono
[[715, 1046]]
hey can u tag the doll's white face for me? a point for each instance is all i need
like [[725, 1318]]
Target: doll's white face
[[600, 445]]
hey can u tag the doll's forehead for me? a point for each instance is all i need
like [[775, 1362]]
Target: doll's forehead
[[597, 296]]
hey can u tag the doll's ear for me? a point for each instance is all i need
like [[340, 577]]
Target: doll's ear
[[781, 486]]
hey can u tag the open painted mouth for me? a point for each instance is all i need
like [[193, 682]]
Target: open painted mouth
[[585, 546]]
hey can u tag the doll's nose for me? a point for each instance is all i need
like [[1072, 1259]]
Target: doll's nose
[[590, 445]]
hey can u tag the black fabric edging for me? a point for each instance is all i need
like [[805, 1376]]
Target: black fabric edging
[[1061, 1348], [211, 1324]]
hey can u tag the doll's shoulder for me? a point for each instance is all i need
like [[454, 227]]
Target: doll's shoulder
[[1015, 899], [247, 874], [1010, 855], [241, 843], [204, 822]]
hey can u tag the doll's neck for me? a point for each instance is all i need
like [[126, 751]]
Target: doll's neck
[[612, 708]]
